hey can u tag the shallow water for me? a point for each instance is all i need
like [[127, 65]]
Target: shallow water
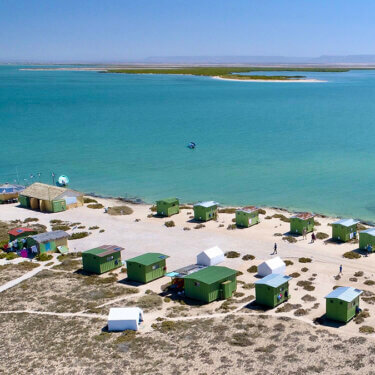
[[303, 146]]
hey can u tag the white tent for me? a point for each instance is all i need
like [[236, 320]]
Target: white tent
[[123, 318], [273, 265], [210, 257]]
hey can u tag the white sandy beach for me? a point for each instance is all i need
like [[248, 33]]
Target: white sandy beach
[[269, 80]]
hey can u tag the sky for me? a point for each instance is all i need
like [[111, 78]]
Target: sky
[[127, 30]]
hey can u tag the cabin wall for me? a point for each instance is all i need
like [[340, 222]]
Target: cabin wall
[[246, 220], [297, 225], [205, 213], [167, 209], [366, 239], [342, 233]]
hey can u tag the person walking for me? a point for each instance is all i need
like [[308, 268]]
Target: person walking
[[340, 269], [304, 233], [274, 249], [313, 238]]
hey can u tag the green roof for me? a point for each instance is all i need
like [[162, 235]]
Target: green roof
[[211, 274], [148, 258], [168, 200], [95, 251]]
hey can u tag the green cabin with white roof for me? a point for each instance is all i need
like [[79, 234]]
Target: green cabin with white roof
[[167, 207], [301, 221], [102, 259], [147, 267], [272, 290], [205, 211], [247, 216], [342, 304], [367, 238], [344, 230]]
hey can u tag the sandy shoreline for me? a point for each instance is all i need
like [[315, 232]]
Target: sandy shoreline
[[268, 80]]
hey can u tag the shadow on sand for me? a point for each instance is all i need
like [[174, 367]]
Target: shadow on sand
[[324, 321]]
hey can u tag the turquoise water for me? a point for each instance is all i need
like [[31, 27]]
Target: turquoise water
[[304, 146]]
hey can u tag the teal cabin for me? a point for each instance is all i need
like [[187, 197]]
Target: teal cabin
[[168, 207], [205, 211], [102, 259], [367, 239], [344, 230], [20, 233], [211, 283], [56, 240], [247, 216], [342, 304], [272, 290], [147, 267], [301, 221]]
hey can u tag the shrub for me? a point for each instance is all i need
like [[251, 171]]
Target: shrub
[[232, 254], [248, 286], [101, 231], [241, 339], [304, 269], [89, 200], [248, 257], [199, 226], [290, 239], [360, 318], [169, 224], [288, 262], [316, 223], [11, 256], [369, 282], [305, 260], [268, 217], [231, 226], [366, 329], [353, 279], [95, 205], [61, 227], [221, 226], [295, 275], [78, 235], [43, 257], [261, 211], [278, 234], [306, 285], [281, 217], [321, 236], [358, 274], [252, 269], [93, 227], [126, 336], [300, 312], [308, 298], [186, 228], [30, 219], [227, 210], [351, 255], [360, 226], [120, 210]]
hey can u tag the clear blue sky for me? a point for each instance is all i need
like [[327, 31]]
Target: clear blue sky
[[119, 30]]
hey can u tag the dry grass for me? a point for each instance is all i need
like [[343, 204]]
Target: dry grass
[[120, 210], [351, 255], [232, 254], [12, 271]]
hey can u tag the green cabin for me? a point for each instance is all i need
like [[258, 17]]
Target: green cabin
[[48, 242], [102, 259], [344, 230], [272, 290], [168, 207], [20, 233], [147, 267], [366, 238], [49, 198], [300, 222], [211, 283], [247, 216], [205, 211], [342, 304]]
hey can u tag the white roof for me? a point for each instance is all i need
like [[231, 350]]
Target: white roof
[[213, 252], [274, 263], [346, 222], [124, 313], [207, 204], [370, 231]]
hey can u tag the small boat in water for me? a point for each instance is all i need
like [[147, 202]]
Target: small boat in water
[[192, 145]]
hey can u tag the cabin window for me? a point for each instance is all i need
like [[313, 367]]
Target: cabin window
[[110, 258], [196, 283], [331, 300], [155, 266]]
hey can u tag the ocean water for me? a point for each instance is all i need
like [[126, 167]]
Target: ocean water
[[302, 146]]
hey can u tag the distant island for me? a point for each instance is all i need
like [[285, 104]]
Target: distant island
[[231, 73]]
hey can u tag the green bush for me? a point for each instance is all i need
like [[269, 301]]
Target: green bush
[[295, 275], [61, 227], [290, 239], [261, 211], [304, 269], [30, 219], [321, 236], [93, 227], [232, 254], [101, 231], [351, 255], [43, 257], [227, 210], [248, 257], [366, 329], [281, 217], [231, 226], [199, 226], [120, 210], [170, 224], [78, 235], [252, 269], [89, 200], [95, 205], [288, 262], [305, 260]]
